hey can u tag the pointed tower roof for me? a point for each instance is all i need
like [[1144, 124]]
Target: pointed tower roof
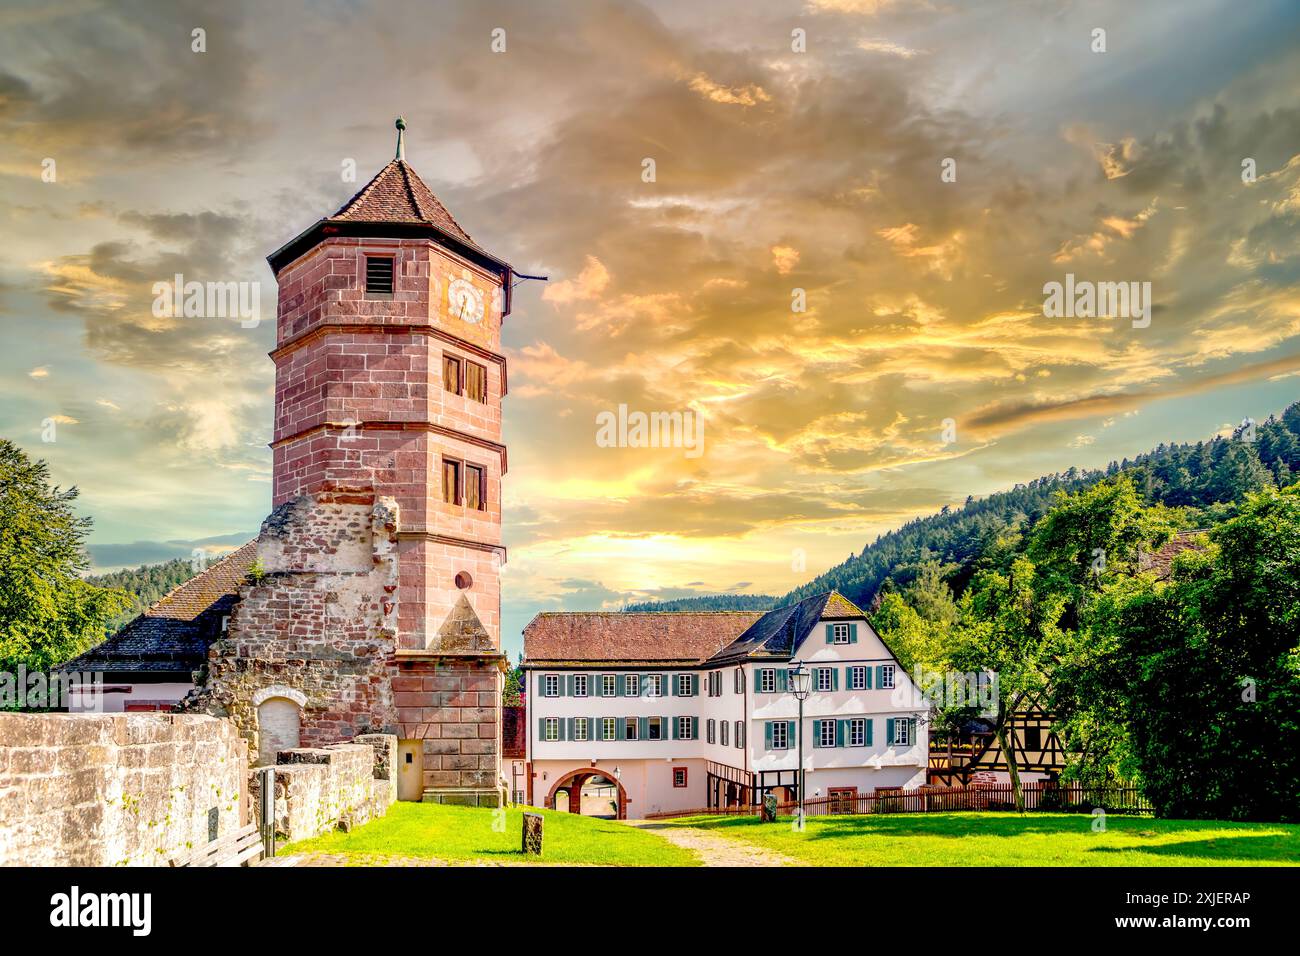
[[398, 194]]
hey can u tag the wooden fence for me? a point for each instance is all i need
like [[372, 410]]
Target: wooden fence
[[1065, 798]]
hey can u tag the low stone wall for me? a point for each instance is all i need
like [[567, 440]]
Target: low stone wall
[[116, 789], [321, 788]]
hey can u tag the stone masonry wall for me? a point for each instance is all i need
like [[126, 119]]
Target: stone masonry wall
[[116, 789], [344, 786], [319, 625]]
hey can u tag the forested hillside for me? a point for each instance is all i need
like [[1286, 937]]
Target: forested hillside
[[1208, 479], [144, 585]]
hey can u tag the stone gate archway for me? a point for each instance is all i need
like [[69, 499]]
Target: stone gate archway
[[574, 780]]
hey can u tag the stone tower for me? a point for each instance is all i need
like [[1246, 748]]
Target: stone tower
[[380, 609]]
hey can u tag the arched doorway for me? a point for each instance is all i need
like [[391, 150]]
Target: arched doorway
[[279, 721], [592, 793]]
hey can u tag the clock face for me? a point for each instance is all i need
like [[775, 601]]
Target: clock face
[[465, 301]]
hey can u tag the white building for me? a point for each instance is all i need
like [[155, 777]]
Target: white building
[[673, 711]]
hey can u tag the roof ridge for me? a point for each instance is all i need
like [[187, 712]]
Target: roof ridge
[[189, 581], [407, 172], [364, 191]]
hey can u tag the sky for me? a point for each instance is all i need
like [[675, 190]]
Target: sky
[[913, 172]]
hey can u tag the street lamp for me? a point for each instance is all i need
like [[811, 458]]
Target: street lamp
[[800, 685]]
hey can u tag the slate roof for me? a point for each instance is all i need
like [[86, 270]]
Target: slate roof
[[173, 635], [677, 637], [398, 194], [619, 637], [1161, 562]]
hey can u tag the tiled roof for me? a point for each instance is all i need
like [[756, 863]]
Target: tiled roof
[[398, 194], [780, 632], [173, 635], [1161, 562], [653, 637]]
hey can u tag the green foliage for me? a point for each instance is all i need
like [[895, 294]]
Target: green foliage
[[709, 602], [48, 614]]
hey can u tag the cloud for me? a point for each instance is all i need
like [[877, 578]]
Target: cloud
[[888, 48]]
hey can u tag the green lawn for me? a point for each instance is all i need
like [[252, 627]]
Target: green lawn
[[431, 831], [1006, 839]]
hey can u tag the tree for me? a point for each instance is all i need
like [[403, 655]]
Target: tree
[[48, 614]]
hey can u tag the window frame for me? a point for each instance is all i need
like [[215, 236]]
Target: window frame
[[857, 677], [652, 724], [836, 633], [631, 685], [685, 686], [583, 679], [823, 674], [452, 496], [609, 728], [766, 676], [631, 729], [857, 724], [822, 734], [724, 733], [608, 685], [887, 676], [710, 731], [685, 777], [447, 362], [656, 685], [551, 724], [740, 735], [685, 729], [580, 729], [391, 259], [546, 685], [783, 727], [739, 686], [902, 732]]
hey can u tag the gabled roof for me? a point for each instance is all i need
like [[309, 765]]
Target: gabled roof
[[780, 632], [620, 637], [398, 194], [174, 634]]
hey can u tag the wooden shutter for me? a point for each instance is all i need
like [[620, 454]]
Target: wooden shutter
[[740, 733], [451, 482], [475, 488], [889, 732], [643, 728], [695, 684], [569, 728], [853, 633], [840, 731], [868, 677], [767, 734], [830, 633], [568, 686], [695, 728], [880, 677], [782, 679], [817, 734], [911, 731], [668, 679], [835, 678], [758, 680], [541, 728], [789, 734], [475, 382], [869, 722], [620, 731], [595, 728]]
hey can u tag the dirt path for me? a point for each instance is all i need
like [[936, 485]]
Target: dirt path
[[714, 850]]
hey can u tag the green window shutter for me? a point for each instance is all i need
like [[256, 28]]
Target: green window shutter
[[830, 633], [620, 729], [597, 728], [695, 684], [541, 728], [790, 740], [853, 633], [599, 689], [880, 677], [782, 679], [675, 737], [835, 678], [889, 732], [868, 670], [758, 681], [668, 679], [911, 729], [817, 734], [643, 728], [869, 722], [645, 685], [767, 734], [695, 728]]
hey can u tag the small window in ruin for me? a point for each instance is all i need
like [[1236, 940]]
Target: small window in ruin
[[451, 374], [451, 481], [379, 275]]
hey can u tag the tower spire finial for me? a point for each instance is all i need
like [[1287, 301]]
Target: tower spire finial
[[401, 142]]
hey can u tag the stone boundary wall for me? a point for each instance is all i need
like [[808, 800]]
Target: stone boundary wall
[[320, 788], [134, 789]]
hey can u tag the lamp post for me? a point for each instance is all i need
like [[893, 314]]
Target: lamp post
[[800, 685]]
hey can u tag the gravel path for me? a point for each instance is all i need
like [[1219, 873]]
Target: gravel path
[[714, 850]]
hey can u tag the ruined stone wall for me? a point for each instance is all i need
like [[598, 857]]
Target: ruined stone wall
[[343, 786], [318, 628], [116, 789]]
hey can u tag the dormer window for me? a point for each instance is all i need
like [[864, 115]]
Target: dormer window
[[841, 634], [379, 275]]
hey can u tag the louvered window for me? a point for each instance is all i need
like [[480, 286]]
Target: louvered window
[[379, 275]]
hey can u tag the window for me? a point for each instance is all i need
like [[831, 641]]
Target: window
[[580, 728], [840, 634], [451, 374], [685, 685], [826, 733], [475, 382], [886, 676], [656, 684], [609, 728], [475, 488], [1033, 738], [780, 734], [685, 728], [767, 680], [631, 730], [451, 481], [654, 728], [725, 726], [551, 728], [609, 685], [679, 776], [579, 685], [551, 685], [740, 680], [710, 730], [823, 678], [902, 732], [858, 732], [631, 686], [379, 275], [857, 678], [740, 733], [715, 683]]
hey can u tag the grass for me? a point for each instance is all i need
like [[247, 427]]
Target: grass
[[457, 834], [1007, 839]]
